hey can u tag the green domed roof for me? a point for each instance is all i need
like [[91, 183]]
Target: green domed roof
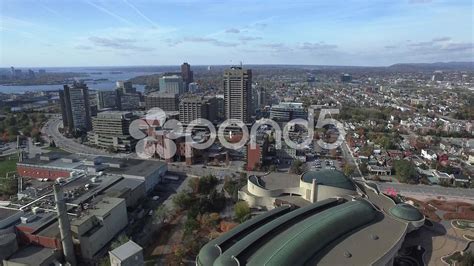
[[406, 212], [332, 178]]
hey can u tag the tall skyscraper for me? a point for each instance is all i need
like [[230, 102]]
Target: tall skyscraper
[[187, 74], [238, 93], [75, 107]]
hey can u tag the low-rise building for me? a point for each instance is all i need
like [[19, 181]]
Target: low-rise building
[[110, 130], [128, 254]]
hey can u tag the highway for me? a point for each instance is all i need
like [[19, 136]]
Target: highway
[[51, 128]]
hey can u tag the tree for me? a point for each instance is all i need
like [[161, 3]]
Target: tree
[[182, 200], [241, 211], [348, 169], [296, 167], [207, 184], [190, 225], [405, 171], [161, 214]]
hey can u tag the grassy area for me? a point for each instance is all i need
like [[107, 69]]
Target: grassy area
[[7, 164]]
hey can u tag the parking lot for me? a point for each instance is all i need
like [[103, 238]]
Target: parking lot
[[322, 164]]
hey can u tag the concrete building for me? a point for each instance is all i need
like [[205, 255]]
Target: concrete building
[[107, 99], [338, 229], [128, 254], [172, 84], [110, 130], [286, 111], [192, 108], [308, 188], [34, 255], [238, 93], [165, 101], [75, 107]]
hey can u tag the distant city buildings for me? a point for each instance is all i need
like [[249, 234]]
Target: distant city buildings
[[238, 93], [75, 107], [125, 87]]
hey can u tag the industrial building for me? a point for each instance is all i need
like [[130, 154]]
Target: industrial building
[[327, 232], [110, 130]]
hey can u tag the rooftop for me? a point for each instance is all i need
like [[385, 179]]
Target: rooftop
[[126, 250], [331, 178], [33, 255]]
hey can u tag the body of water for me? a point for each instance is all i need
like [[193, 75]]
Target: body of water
[[96, 79]]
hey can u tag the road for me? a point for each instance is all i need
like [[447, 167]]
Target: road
[[51, 128], [428, 191]]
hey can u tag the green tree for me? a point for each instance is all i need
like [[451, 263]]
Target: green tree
[[296, 167], [405, 171], [241, 211], [161, 214], [182, 200], [207, 184]]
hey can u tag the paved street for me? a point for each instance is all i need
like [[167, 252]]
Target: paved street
[[429, 191]]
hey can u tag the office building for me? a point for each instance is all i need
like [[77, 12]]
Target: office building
[[262, 98], [110, 130], [128, 254], [344, 223], [287, 111], [128, 101], [238, 93], [345, 78], [172, 84], [107, 99], [165, 101], [75, 107], [192, 108], [125, 86], [187, 74]]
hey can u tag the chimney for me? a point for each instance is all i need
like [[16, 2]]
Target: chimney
[[64, 226]]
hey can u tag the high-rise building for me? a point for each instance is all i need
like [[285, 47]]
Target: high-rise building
[[125, 86], [192, 108], [165, 101], [107, 99], [172, 84], [187, 74], [75, 107], [238, 93], [110, 130], [262, 97]]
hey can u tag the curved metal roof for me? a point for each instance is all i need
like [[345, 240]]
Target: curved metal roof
[[406, 212], [294, 238], [331, 178]]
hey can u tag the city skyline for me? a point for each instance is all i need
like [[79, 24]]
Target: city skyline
[[124, 33]]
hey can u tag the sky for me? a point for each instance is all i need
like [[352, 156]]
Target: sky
[[55, 33]]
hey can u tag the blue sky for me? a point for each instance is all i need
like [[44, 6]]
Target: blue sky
[[168, 32]]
